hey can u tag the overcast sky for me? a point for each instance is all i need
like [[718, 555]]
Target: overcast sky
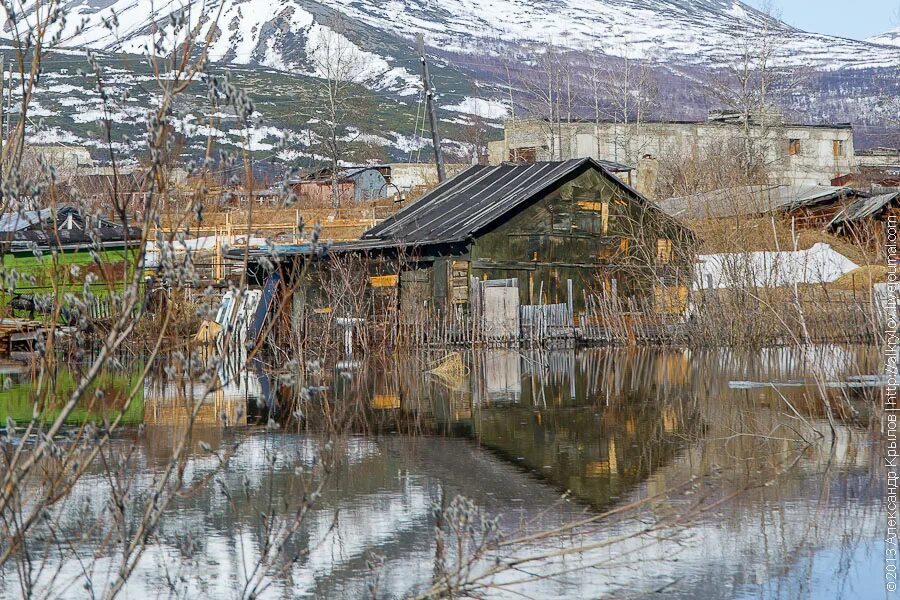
[[847, 18]]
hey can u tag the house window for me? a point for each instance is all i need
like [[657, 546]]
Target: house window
[[663, 251], [794, 147], [838, 148]]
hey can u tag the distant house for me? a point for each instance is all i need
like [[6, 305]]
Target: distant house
[[555, 230], [66, 159], [795, 154], [811, 205], [28, 237], [360, 184], [416, 178], [355, 185], [66, 229]]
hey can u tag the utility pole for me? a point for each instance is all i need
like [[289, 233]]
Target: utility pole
[[429, 106]]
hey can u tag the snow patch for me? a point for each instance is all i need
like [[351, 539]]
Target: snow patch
[[488, 109]]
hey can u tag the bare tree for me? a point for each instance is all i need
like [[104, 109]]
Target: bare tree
[[624, 93], [339, 92], [751, 89], [548, 93]]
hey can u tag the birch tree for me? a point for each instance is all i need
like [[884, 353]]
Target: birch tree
[[340, 93], [624, 93], [750, 90]]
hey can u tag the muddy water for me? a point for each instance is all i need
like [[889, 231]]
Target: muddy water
[[790, 489]]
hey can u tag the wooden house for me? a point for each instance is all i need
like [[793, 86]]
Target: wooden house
[[355, 185], [557, 231]]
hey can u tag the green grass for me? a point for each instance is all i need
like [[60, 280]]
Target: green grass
[[46, 271]]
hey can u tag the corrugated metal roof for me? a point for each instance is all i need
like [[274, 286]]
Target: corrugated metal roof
[[862, 208], [17, 221], [751, 200], [477, 197]]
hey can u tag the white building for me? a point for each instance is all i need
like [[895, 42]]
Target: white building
[[794, 154]]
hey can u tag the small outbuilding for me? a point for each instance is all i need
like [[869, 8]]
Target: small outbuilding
[[556, 231], [865, 218], [355, 185], [810, 205]]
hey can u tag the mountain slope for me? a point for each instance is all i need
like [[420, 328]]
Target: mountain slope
[[279, 50], [281, 34], [889, 38]]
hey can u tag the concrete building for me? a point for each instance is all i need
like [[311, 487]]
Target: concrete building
[[880, 158], [66, 159], [794, 154]]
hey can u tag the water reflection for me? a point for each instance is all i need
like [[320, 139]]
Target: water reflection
[[514, 431]]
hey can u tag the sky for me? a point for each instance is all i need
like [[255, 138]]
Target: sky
[[857, 19]]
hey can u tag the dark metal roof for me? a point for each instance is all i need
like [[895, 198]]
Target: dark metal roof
[[476, 198], [614, 167], [862, 208]]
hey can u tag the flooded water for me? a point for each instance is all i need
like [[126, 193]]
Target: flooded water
[[693, 475]]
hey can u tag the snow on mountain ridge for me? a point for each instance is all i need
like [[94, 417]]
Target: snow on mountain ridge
[[277, 34], [693, 31], [888, 38]]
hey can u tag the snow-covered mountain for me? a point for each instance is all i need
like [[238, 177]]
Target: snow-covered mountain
[[281, 34], [889, 38], [278, 48]]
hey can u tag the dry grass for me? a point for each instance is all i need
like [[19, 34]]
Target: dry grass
[[759, 234], [863, 277]]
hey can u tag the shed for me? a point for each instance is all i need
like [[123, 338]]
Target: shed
[[865, 209], [809, 201], [537, 226]]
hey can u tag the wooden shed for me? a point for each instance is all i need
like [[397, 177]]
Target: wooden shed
[[556, 231]]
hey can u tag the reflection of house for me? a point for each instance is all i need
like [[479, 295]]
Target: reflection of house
[[795, 154], [240, 393], [175, 409]]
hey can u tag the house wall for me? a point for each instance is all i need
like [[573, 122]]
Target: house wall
[[590, 231], [369, 185], [318, 192], [815, 164]]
